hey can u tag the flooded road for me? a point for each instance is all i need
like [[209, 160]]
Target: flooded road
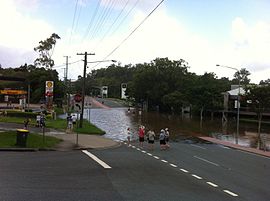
[[115, 122]]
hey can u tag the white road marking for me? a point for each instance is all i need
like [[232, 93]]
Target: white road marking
[[133, 147], [149, 154], [138, 149], [198, 146], [103, 164], [156, 157], [173, 165], [212, 184], [183, 170], [230, 193], [143, 151], [196, 176], [207, 161], [125, 143], [164, 161]]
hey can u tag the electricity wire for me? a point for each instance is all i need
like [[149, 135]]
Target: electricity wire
[[136, 28]]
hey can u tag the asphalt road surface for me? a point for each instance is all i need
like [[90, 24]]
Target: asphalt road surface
[[186, 172]]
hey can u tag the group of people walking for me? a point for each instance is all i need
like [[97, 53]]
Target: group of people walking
[[150, 137]]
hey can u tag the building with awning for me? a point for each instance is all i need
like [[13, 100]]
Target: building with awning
[[231, 97]]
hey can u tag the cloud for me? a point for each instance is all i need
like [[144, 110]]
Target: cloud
[[20, 33]]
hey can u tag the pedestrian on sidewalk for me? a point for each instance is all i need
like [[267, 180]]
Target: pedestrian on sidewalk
[[151, 139], [141, 134], [128, 135], [26, 122], [69, 122], [74, 119]]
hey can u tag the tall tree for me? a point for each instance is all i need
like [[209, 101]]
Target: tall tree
[[45, 49], [242, 75], [260, 101]]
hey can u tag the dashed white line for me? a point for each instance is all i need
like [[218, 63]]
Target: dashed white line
[[138, 149], [183, 170], [230, 193], [143, 151], [197, 146], [207, 161], [173, 165], [212, 184], [156, 157], [164, 161], [103, 164], [125, 143], [133, 147], [196, 176], [149, 154]]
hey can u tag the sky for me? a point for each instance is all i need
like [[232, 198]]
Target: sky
[[234, 33]]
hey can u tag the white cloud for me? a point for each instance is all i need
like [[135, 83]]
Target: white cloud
[[19, 32]]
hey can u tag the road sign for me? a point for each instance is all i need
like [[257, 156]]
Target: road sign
[[78, 107], [78, 98]]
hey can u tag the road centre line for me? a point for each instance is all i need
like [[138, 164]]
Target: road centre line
[[207, 161], [197, 146], [193, 175], [196, 176], [173, 165], [183, 170], [230, 193], [103, 164], [212, 184]]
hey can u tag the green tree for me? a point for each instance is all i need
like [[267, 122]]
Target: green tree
[[259, 95], [45, 49], [242, 75]]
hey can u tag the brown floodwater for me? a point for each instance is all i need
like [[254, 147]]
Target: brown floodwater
[[115, 122]]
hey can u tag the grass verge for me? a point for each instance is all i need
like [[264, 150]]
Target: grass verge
[[8, 140], [61, 124]]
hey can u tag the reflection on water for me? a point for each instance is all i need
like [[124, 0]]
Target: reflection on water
[[115, 122]]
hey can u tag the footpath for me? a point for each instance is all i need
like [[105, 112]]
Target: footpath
[[236, 146], [69, 139]]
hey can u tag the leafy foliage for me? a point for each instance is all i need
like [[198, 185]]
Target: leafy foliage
[[45, 49]]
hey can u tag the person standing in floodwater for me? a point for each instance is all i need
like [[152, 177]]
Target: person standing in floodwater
[[141, 135], [167, 136], [128, 136]]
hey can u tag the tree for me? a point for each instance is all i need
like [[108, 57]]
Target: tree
[[259, 95], [45, 50], [242, 75]]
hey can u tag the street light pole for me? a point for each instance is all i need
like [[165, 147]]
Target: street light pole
[[238, 102]]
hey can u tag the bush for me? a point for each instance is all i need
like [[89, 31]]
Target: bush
[[21, 114]]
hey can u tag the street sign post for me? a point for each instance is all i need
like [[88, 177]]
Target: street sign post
[[78, 103]]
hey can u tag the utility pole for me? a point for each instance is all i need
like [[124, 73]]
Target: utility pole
[[66, 71], [83, 87], [66, 83]]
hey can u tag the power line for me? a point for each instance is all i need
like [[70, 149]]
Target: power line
[[65, 64], [121, 43], [91, 21], [109, 29], [74, 16]]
